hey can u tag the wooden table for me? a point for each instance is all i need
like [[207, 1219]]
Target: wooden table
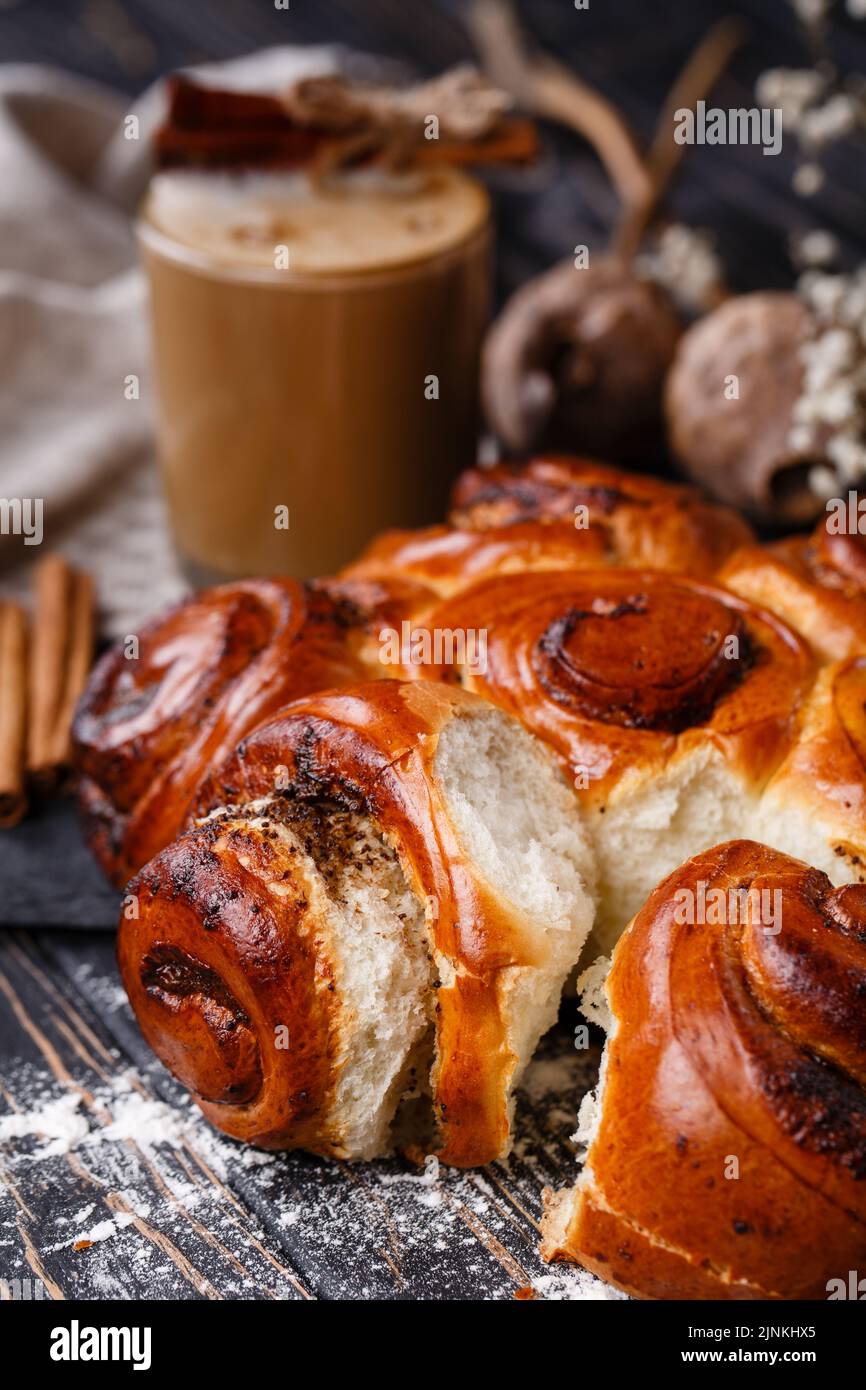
[[128, 1191]]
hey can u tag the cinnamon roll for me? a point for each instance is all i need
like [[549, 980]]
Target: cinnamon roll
[[814, 806], [367, 929], [727, 1139], [683, 714], [817, 583], [556, 514], [644, 522], [163, 707]]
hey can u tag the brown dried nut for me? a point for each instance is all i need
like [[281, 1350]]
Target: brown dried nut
[[739, 449], [577, 360]]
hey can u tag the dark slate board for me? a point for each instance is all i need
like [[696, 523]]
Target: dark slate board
[[48, 877]]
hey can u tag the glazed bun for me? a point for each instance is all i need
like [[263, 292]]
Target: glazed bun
[[815, 804], [162, 709], [448, 559], [726, 1143], [682, 714], [817, 583], [557, 514], [644, 522], [362, 938]]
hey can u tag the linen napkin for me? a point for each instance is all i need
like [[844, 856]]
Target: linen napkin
[[76, 397]]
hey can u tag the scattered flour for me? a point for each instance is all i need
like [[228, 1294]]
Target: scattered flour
[[145, 1120], [57, 1124], [103, 1230], [61, 1125], [574, 1286], [103, 992], [155, 1162]]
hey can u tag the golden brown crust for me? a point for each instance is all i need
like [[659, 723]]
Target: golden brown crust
[[149, 728], [643, 521], [371, 749], [620, 670], [817, 583], [836, 559], [733, 1122], [556, 514], [625, 1256], [825, 768], [151, 724], [448, 559], [213, 963]]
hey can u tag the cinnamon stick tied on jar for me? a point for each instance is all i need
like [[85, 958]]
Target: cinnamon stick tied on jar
[[13, 713], [330, 121], [60, 658]]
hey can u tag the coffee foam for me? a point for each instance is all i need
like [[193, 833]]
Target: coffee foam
[[361, 221]]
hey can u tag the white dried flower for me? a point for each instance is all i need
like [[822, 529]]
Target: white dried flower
[[811, 12], [807, 180], [823, 293], [849, 457], [815, 248], [852, 309], [801, 440], [833, 392], [820, 125], [794, 90], [838, 404], [837, 349], [819, 105], [684, 262], [823, 481]]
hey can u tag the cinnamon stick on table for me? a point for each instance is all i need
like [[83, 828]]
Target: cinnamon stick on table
[[60, 657], [13, 712]]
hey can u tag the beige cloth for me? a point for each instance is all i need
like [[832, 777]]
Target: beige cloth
[[73, 328]]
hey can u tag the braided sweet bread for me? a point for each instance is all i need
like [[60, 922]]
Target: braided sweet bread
[[727, 1141], [361, 877], [648, 521]]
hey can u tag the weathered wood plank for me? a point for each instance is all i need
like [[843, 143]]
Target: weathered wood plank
[[98, 1211], [129, 1191]]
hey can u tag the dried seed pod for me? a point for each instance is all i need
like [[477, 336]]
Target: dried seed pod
[[730, 399], [577, 360]]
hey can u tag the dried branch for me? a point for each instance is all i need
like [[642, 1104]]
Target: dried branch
[[547, 88], [696, 80]]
